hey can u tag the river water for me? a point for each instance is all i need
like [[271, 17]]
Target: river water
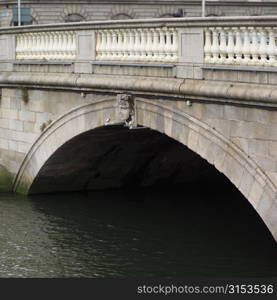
[[153, 232]]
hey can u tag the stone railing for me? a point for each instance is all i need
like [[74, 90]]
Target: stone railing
[[241, 46], [175, 47], [138, 45], [46, 46]]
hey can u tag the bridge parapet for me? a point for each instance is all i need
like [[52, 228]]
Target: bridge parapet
[[181, 48], [241, 45]]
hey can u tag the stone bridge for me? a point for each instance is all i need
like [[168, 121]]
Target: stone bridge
[[206, 83]]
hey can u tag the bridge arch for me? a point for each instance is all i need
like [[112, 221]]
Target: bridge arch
[[199, 137]]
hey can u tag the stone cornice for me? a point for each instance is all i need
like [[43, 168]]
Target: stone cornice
[[155, 22], [185, 89]]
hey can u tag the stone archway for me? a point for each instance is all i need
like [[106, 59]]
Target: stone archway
[[226, 156]]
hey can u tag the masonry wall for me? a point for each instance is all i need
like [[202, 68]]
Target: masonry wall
[[24, 114], [45, 13]]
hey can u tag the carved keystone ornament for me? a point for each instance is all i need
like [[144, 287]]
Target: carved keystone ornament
[[126, 110]]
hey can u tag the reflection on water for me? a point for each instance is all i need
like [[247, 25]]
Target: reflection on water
[[144, 233]]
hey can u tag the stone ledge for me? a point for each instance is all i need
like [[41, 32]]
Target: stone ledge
[[259, 95]]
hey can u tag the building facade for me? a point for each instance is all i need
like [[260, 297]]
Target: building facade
[[47, 11]]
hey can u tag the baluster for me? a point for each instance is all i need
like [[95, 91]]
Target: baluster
[[40, 45], [263, 46], [113, 45], [27, 47], [222, 46], [254, 49], [73, 43], [104, 45], [149, 44], [45, 50], [109, 45], [98, 49], [55, 46], [162, 44], [117, 45], [208, 45], [58, 46], [22, 47], [155, 48], [246, 47], [18, 48], [230, 47], [120, 47], [69, 46], [137, 43], [238, 45], [43, 45], [51, 46], [167, 45], [272, 50], [131, 45], [125, 46], [33, 46], [215, 46], [63, 45], [174, 45], [140, 47]]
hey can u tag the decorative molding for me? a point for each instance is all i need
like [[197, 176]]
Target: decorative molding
[[74, 9], [126, 109], [121, 10]]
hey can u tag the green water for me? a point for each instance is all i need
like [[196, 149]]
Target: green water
[[137, 233]]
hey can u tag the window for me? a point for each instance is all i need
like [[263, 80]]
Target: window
[[26, 17], [74, 18]]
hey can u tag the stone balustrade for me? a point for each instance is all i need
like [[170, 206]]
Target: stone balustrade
[[186, 45], [137, 45], [57, 45], [241, 46]]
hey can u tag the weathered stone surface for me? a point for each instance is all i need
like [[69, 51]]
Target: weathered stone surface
[[5, 180], [239, 142]]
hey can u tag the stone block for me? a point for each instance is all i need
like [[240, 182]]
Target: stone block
[[4, 123], [271, 217], [248, 130], [266, 163], [233, 112], [264, 205], [258, 147], [9, 114], [42, 117], [246, 183], [5, 102], [15, 103], [232, 169], [16, 125], [255, 194], [26, 137], [29, 126], [23, 147], [242, 143], [4, 144], [86, 45], [213, 111], [27, 116], [193, 137], [13, 145], [83, 67], [220, 125], [191, 42]]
